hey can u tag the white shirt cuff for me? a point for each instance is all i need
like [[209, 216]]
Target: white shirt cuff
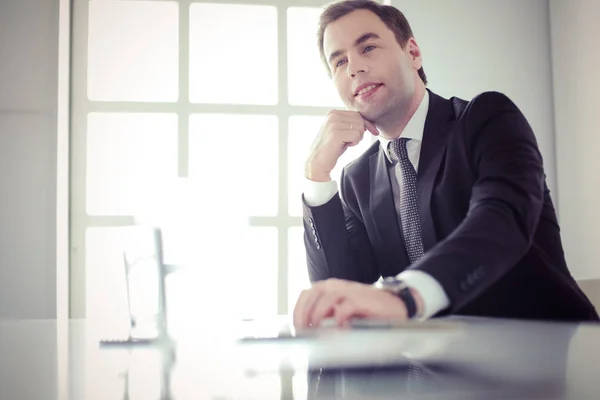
[[433, 295], [318, 193]]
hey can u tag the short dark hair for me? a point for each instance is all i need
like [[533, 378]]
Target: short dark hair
[[390, 16]]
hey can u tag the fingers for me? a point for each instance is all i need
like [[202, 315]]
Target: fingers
[[341, 129], [343, 113], [371, 127], [307, 301], [349, 308], [353, 119], [344, 300], [318, 303], [351, 137], [344, 311], [358, 126], [324, 308], [347, 133], [346, 120]]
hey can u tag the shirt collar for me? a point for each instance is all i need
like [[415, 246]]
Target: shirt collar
[[413, 130]]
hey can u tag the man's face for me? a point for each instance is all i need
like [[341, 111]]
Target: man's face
[[371, 72]]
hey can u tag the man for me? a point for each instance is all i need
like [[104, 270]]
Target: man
[[450, 205]]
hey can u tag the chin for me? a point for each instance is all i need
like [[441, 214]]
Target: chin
[[370, 115], [371, 112]]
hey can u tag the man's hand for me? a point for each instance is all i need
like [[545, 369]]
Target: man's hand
[[340, 130], [343, 300]]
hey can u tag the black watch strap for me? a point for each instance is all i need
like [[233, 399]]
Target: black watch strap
[[409, 301], [400, 289]]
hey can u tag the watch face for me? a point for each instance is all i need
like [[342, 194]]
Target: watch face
[[392, 284], [390, 279]]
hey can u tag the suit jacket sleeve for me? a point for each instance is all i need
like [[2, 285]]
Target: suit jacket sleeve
[[505, 205], [336, 241]]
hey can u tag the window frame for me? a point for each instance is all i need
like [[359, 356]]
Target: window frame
[[81, 106]]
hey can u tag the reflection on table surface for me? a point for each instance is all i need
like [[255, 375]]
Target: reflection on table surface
[[454, 358]]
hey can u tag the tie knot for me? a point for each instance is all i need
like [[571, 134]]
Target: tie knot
[[399, 148]]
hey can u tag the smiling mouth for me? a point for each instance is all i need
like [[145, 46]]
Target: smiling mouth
[[367, 89]]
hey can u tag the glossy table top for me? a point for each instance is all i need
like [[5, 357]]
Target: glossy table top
[[455, 358]]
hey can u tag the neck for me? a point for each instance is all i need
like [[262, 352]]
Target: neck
[[393, 126]]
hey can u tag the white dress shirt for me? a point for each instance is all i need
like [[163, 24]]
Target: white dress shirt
[[318, 193]]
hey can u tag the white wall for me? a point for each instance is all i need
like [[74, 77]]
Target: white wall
[[471, 46], [576, 65], [28, 93]]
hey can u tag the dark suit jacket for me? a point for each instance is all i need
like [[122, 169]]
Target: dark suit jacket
[[489, 227]]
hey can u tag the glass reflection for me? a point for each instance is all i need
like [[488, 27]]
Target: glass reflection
[[494, 359], [512, 361], [148, 375]]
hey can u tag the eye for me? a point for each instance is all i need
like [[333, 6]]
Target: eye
[[368, 48], [340, 62]]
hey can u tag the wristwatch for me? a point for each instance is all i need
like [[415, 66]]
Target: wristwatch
[[399, 288]]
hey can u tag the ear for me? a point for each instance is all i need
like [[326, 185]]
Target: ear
[[415, 52]]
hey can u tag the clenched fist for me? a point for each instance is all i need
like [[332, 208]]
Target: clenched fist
[[340, 130]]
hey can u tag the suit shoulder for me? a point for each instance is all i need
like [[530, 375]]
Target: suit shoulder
[[494, 114], [489, 103]]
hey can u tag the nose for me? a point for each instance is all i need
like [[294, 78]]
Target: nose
[[357, 65]]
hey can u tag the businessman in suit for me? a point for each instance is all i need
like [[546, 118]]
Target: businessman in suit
[[450, 205]]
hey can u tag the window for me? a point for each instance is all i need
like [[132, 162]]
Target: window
[[197, 116]]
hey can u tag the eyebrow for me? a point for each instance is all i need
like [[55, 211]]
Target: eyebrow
[[357, 42]]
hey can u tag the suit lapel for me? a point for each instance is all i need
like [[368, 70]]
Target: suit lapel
[[440, 119], [384, 215]]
